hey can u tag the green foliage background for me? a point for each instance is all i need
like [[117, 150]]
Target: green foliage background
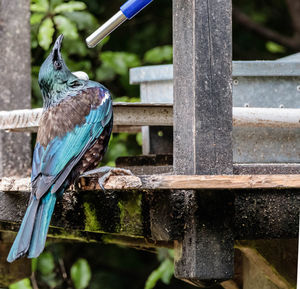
[[145, 40]]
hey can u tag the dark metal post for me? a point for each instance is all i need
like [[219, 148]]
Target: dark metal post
[[203, 134]]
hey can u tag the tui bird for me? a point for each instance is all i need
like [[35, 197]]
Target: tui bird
[[73, 136]]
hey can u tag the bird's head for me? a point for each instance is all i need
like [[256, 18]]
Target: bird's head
[[55, 78]]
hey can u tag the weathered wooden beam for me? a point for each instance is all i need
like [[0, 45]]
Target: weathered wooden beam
[[15, 93], [230, 284], [202, 44], [202, 87], [161, 182], [81, 215], [258, 272], [15, 82], [171, 182], [280, 254], [76, 235], [298, 266], [131, 116]]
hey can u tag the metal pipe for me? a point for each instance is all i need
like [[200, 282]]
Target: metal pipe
[[127, 11], [105, 29], [161, 114]]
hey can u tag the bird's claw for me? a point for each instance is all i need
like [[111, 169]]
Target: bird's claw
[[106, 172], [113, 172]]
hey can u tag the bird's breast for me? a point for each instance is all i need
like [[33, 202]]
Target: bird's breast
[[62, 118]]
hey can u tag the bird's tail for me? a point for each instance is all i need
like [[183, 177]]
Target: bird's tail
[[32, 234]]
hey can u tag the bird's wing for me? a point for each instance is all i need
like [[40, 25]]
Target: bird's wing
[[67, 131]]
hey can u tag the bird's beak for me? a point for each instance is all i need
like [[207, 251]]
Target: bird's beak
[[57, 46]]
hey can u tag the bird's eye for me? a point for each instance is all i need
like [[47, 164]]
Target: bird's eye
[[75, 84], [57, 65]]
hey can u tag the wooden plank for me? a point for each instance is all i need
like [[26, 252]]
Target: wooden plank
[[259, 214], [259, 273], [131, 116], [185, 182], [203, 135], [171, 182], [202, 87], [298, 267], [281, 254], [229, 285]]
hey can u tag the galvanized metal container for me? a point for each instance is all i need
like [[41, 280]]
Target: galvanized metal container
[[264, 84]]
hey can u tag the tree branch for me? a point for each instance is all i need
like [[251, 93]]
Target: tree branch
[[243, 19], [294, 10]]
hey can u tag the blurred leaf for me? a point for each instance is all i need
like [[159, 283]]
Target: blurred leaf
[[37, 100], [34, 42], [120, 62], [139, 138], [79, 66], [111, 164], [163, 253], [259, 17], [75, 47], [83, 19], [70, 7], [66, 27], [274, 47], [127, 99], [117, 150], [45, 33], [159, 54], [105, 73], [36, 18], [164, 273], [23, 284], [33, 264], [54, 3], [167, 271], [45, 263], [51, 280], [81, 274], [39, 6], [123, 136]]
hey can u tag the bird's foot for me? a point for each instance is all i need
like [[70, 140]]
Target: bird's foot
[[106, 172]]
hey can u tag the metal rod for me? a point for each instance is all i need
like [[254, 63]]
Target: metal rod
[[140, 114], [108, 27]]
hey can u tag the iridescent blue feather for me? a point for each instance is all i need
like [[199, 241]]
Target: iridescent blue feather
[[76, 114]]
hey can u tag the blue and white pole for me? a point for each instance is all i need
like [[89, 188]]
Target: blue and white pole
[[127, 11]]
